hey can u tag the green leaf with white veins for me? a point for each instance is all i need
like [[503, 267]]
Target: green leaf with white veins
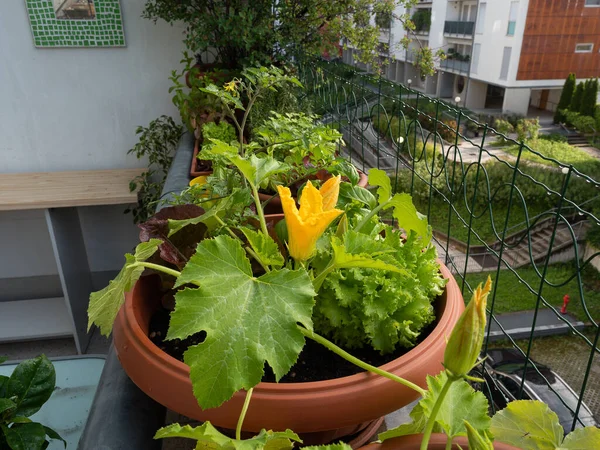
[[408, 217], [258, 169], [105, 304], [378, 177], [247, 320], [462, 403], [265, 247], [587, 438], [209, 437], [529, 425]]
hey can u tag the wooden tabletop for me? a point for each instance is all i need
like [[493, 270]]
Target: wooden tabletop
[[20, 191]]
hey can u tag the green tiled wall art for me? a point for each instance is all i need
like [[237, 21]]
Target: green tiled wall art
[[76, 23]]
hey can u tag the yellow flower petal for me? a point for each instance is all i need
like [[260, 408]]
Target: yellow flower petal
[[198, 180], [306, 225], [330, 192]]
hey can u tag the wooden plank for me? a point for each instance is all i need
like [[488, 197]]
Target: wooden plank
[[34, 319], [20, 191]]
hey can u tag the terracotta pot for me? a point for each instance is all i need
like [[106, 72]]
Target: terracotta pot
[[274, 205], [437, 442], [216, 73], [194, 171], [318, 406]]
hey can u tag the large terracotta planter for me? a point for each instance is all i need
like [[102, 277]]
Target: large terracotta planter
[[194, 169], [344, 403], [437, 442], [274, 205]]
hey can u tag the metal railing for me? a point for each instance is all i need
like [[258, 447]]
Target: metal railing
[[455, 65], [478, 197], [459, 27]]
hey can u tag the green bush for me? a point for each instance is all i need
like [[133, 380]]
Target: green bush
[[597, 117], [588, 102], [553, 137], [585, 124], [527, 129], [575, 104], [422, 19], [570, 116], [504, 127]]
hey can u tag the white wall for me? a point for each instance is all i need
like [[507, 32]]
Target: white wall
[[77, 108], [493, 39], [516, 101], [476, 93]]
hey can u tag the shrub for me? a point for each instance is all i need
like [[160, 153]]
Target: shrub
[[570, 116], [597, 117], [422, 19], [528, 129], [585, 124], [504, 127], [565, 98]]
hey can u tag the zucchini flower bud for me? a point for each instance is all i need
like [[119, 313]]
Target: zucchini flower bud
[[467, 336]]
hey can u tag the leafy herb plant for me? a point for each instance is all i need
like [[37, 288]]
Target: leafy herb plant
[[157, 142], [22, 395]]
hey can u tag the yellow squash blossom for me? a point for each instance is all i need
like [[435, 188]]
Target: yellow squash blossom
[[317, 211], [230, 86], [466, 339]]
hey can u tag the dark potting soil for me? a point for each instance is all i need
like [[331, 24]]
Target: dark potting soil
[[315, 362], [203, 165]]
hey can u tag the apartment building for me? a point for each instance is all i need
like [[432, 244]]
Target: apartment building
[[502, 55]]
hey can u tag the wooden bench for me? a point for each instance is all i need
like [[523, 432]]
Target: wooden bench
[[59, 194]]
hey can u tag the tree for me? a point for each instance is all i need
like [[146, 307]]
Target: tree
[[588, 102], [575, 104], [565, 98], [242, 32]]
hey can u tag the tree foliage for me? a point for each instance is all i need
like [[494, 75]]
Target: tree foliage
[[565, 98]]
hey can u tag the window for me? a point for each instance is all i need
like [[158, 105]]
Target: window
[[475, 61], [480, 18], [505, 63], [592, 2], [512, 18], [584, 48]]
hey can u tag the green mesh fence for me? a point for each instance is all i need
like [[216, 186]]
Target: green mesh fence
[[509, 209]]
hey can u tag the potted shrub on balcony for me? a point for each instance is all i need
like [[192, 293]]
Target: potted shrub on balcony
[[245, 295]]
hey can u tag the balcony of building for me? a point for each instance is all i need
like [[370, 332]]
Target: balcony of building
[[457, 60], [459, 29]]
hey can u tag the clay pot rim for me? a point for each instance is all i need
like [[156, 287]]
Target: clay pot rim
[[269, 388]]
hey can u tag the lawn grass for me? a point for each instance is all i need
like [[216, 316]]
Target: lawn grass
[[561, 151], [512, 295]]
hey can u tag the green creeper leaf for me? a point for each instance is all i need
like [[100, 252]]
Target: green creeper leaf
[[54, 435], [105, 304], [26, 436], [32, 382], [587, 438], [6, 405], [417, 426], [360, 194], [338, 446], [3, 358], [247, 320], [257, 169], [461, 403], [378, 177], [209, 437], [478, 441], [208, 218], [529, 425], [265, 247], [408, 217]]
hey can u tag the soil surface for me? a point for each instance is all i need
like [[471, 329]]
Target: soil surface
[[315, 362], [203, 165]]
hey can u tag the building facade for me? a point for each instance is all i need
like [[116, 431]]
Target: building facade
[[502, 55]]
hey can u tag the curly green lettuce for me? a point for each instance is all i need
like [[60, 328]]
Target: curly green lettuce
[[366, 307]]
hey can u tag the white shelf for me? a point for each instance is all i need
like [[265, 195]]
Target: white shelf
[[34, 319]]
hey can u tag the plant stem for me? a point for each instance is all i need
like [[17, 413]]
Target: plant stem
[[318, 281], [238, 429], [158, 267], [370, 215], [449, 443], [434, 412], [357, 362], [259, 210]]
